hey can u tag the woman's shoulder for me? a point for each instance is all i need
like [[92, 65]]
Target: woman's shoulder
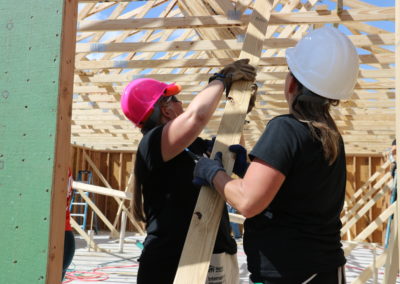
[[149, 138], [152, 133], [284, 119]]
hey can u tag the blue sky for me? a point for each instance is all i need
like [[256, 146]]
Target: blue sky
[[155, 12]]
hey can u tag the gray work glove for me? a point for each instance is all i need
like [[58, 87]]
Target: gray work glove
[[238, 70], [206, 169]]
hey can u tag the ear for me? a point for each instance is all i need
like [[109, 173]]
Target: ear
[[292, 88], [167, 112]]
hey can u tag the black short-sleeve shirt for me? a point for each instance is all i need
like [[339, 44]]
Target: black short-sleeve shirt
[[300, 229], [169, 199]]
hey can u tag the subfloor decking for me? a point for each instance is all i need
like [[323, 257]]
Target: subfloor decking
[[114, 267]]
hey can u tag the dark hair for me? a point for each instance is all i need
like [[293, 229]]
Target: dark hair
[[153, 121], [155, 118], [137, 201], [314, 110]]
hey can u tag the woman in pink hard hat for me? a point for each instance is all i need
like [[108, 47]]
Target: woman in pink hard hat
[[293, 191], [164, 167]]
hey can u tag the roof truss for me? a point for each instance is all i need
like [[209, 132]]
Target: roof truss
[[185, 42]]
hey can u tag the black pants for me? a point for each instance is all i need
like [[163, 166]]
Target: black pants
[[69, 251], [157, 271], [335, 276]]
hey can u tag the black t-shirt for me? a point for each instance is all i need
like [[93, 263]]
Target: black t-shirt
[[170, 198], [300, 229]]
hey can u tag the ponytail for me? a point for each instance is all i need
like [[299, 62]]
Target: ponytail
[[313, 110], [137, 201]]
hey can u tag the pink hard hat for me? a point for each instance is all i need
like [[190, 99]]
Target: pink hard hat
[[140, 96]]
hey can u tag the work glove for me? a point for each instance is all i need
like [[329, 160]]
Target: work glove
[[241, 164], [252, 102], [206, 169], [238, 70]]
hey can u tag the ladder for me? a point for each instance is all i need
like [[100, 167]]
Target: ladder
[[78, 206]]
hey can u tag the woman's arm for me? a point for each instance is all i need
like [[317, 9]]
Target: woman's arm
[[185, 128], [182, 130], [252, 194]]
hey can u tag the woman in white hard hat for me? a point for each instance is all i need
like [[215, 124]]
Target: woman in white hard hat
[[164, 167], [293, 191]]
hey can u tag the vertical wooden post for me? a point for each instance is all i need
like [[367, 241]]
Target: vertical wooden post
[[62, 140], [392, 262], [36, 72], [196, 254]]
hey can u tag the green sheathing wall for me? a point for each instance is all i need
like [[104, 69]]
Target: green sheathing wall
[[30, 38]]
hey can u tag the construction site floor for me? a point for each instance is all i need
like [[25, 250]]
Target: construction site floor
[[115, 267]]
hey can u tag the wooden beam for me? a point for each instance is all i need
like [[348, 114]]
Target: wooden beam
[[218, 21], [96, 37], [196, 254], [201, 8], [123, 78], [86, 237], [210, 63], [101, 190], [198, 45], [236, 218], [339, 7], [367, 206], [210, 45], [367, 273], [69, 12], [380, 220], [397, 46], [114, 231], [363, 188]]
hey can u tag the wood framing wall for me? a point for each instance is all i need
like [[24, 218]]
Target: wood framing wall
[[116, 167], [359, 172]]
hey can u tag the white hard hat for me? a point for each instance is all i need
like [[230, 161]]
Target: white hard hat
[[326, 62]]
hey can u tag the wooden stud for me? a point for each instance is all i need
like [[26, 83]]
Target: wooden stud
[[397, 77]]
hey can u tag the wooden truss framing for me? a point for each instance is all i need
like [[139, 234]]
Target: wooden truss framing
[[169, 40]]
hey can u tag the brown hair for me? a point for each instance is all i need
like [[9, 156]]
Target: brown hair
[[313, 110], [137, 201]]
